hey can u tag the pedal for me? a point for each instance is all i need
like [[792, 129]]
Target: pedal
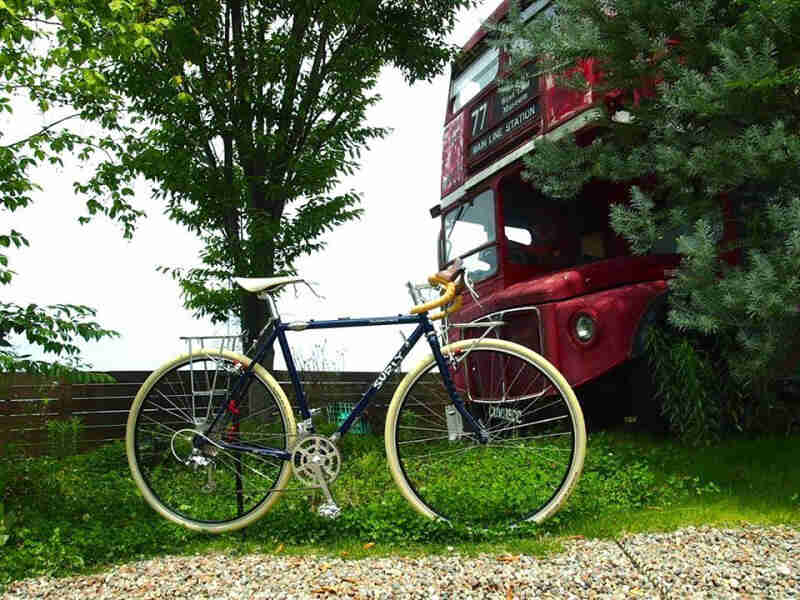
[[329, 510]]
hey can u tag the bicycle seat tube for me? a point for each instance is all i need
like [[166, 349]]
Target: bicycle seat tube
[[242, 383]]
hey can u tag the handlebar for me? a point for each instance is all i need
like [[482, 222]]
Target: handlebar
[[450, 290], [454, 307]]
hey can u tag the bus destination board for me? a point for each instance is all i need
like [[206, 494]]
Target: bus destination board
[[500, 116]]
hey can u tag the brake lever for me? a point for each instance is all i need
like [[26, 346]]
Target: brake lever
[[471, 288]]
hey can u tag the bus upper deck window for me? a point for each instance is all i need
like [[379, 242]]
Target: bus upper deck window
[[479, 74]]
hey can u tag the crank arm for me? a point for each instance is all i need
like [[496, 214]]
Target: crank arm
[[329, 509]]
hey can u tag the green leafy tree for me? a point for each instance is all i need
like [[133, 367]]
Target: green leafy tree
[[709, 142], [52, 54], [247, 115]]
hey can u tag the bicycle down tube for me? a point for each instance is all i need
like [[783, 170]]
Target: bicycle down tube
[[279, 329]]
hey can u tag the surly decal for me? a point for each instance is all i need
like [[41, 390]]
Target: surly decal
[[511, 415], [390, 368]]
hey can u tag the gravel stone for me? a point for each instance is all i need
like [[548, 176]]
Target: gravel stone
[[690, 563], [720, 563]]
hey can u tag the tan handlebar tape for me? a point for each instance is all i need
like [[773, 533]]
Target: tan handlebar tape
[[454, 307], [445, 298]]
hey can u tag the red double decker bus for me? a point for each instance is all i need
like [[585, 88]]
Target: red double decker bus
[[556, 273]]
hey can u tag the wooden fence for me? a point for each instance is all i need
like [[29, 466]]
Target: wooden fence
[[28, 404]]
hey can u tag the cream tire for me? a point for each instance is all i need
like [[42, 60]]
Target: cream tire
[[543, 365], [287, 418]]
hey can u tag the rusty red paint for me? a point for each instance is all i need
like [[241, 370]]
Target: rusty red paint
[[615, 289]]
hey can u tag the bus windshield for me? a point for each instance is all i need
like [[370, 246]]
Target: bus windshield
[[469, 233]]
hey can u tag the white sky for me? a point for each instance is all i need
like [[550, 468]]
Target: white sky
[[362, 272]]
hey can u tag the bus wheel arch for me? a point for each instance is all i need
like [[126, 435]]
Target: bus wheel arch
[[645, 402]]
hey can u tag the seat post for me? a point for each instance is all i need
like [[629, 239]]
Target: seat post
[[272, 304]]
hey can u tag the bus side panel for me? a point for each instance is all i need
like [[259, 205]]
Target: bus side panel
[[453, 173], [559, 103], [617, 313]]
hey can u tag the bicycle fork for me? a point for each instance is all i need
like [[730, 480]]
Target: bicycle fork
[[454, 424]]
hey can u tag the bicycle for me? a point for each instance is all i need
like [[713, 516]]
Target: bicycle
[[212, 440]]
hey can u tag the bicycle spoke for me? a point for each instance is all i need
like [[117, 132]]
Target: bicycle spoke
[[186, 417], [419, 441], [424, 405], [538, 437], [443, 452], [414, 428], [192, 477], [513, 477], [160, 424], [550, 420]]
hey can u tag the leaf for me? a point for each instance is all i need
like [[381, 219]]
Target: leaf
[[325, 590], [508, 558], [248, 158], [279, 549], [4, 6]]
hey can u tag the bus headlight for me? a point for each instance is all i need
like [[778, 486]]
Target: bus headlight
[[585, 328]]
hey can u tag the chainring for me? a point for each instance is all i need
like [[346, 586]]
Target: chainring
[[313, 451]]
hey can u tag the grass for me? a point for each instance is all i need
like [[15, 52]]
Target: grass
[[80, 513]]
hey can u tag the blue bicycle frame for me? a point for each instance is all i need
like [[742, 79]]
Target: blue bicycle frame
[[278, 332]]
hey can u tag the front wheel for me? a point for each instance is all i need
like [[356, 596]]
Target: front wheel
[[536, 437], [183, 470]]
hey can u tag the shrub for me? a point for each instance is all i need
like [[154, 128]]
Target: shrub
[[697, 397], [63, 436]]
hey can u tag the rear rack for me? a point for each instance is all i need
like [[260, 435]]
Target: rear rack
[[199, 343]]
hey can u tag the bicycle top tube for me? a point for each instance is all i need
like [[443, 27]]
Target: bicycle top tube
[[450, 281], [343, 322]]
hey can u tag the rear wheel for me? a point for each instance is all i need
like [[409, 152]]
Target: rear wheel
[[537, 437], [186, 475]]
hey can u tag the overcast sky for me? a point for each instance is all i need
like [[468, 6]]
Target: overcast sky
[[395, 241]]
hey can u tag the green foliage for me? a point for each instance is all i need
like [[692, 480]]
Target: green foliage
[[638, 220], [6, 522], [753, 307], [63, 436], [246, 115], [52, 54], [696, 398], [710, 146], [64, 508], [53, 329]]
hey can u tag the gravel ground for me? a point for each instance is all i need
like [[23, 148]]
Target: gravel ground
[[689, 563]]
